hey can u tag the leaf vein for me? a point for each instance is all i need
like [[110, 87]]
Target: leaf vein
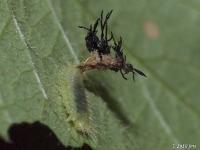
[[41, 18], [165, 85], [22, 37], [65, 37], [158, 114]]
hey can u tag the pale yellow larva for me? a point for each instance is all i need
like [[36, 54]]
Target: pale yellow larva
[[75, 100]]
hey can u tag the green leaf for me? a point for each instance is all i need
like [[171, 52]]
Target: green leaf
[[40, 45]]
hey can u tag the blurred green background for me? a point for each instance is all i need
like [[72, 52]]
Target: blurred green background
[[38, 37]]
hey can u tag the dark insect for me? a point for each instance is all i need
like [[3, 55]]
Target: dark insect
[[91, 39], [100, 48], [125, 68], [104, 47]]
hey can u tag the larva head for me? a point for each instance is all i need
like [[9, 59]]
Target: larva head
[[84, 126]]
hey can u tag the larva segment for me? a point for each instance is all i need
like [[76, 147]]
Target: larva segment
[[94, 62]]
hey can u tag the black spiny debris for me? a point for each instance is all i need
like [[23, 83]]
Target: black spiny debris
[[100, 49]]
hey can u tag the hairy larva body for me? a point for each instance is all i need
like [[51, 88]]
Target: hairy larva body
[[74, 99]]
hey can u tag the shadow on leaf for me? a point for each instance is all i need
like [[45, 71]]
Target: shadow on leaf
[[35, 136], [96, 87]]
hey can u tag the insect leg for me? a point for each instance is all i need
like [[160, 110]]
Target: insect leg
[[99, 54], [122, 74], [133, 75], [120, 42], [84, 28], [110, 38]]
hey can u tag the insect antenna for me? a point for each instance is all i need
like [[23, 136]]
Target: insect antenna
[[106, 32], [107, 17], [139, 72], [112, 37], [95, 25], [104, 24], [118, 49]]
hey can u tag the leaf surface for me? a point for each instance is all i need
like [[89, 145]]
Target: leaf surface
[[38, 38]]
